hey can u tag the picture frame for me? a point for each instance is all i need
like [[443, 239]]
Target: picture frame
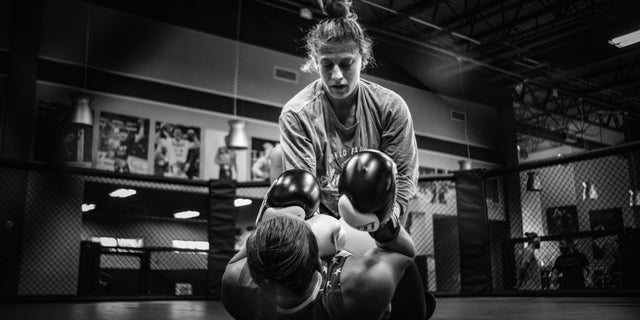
[[176, 150], [260, 161], [562, 220], [123, 143], [605, 220]]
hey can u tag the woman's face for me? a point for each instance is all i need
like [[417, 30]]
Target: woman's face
[[339, 66]]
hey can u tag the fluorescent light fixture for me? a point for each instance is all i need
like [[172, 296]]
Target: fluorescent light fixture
[[106, 241], [122, 193], [189, 244], [626, 40], [241, 202], [186, 214], [86, 207]]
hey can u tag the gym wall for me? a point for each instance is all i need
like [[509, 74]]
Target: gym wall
[[135, 47]]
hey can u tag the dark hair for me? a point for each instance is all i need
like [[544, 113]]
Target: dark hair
[[283, 249], [341, 26]]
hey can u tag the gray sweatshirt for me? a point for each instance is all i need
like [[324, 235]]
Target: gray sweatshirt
[[313, 138]]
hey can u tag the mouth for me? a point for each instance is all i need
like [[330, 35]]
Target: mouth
[[339, 88]]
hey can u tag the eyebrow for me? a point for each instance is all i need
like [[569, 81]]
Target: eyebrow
[[345, 59]]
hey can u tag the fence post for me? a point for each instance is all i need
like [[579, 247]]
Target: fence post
[[221, 227], [475, 267]]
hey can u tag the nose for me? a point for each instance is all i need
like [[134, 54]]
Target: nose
[[336, 73]]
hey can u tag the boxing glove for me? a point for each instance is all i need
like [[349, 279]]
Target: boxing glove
[[295, 192], [367, 188], [329, 233]]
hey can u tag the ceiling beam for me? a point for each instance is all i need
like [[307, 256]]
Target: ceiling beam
[[467, 19], [513, 75], [554, 136], [410, 10]]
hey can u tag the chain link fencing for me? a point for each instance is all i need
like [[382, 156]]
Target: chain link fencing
[[431, 221], [572, 225], [561, 226]]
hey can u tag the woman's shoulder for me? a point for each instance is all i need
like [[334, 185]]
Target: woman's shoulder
[[304, 98], [366, 286], [380, 92]]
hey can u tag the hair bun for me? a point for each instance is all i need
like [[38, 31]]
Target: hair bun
[[337, 8]]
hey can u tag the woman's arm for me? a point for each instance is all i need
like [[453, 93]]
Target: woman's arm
[[297, 148], [218, 159], [402, 244], [399, 142], [240, 295], [368, 282]]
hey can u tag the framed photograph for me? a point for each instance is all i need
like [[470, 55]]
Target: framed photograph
[[605, 220], [260, 161], [57, 141], [176, 151], [75, 147], [426, 171], [562, 220], [123, 143]]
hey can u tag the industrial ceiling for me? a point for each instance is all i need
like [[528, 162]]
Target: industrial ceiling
[[568, 84]]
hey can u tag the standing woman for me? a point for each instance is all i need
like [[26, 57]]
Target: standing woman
[[341, 114]]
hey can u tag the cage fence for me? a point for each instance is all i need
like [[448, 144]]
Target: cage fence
[[556, 226], [571, 226]]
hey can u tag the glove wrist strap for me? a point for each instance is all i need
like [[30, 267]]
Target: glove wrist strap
[[388, 231]]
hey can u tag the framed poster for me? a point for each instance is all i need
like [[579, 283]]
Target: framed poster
[[75, 147], [260, 161], [176, 151], [605, 220], [426, 171], [214, 157], [123, 143], [57, 141], [436, 192], [562, 220]]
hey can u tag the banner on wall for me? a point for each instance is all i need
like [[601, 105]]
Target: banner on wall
[[123, 143], [260, 158], [177, 151]]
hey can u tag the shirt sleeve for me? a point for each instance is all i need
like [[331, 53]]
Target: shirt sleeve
[[399, 142], [297, 147]]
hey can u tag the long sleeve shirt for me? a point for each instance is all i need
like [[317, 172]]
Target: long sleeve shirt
[[313, 138]]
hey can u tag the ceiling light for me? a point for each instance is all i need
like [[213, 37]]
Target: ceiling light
[[626, 40], [81, 108], [122, 193], [240, 202], [306, 13], [86, 207], [186, 214]]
